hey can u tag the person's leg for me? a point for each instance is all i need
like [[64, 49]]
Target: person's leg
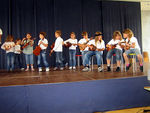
[[125, 55], [45, 61], [70, 59], [12, 60], [118, 53], [74, 59], [140, 59], [31, 61], [108, 57], [61, 61], [8, 61], [98, 57], [39, 62], [57, 60], [27, 62]]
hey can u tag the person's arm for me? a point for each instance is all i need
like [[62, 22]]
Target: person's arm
[[44, 44]]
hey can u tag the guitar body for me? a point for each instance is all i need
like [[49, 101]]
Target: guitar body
[[68, 44], [92, 48], [82, 47], [111, 47], [37, 51]]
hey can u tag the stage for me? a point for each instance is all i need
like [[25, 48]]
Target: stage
[[72, 91]]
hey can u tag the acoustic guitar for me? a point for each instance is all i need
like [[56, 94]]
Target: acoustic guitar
[[37, 51], [52, 46], [111, 47], [24, 46]]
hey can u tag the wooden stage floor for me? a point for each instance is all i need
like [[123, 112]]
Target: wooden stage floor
[[28, 78]]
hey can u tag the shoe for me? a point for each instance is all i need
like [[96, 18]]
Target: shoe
[[32, 69], [47, 69], [74, 68], [100, 69], [40, 69], [85, 69], [141, 68], [117, 69], [56, 68], [128, 67], [61, 68], [22, 69], [70, 68], [27, 69], [108, 68]]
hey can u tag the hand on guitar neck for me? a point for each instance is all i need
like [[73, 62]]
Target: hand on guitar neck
[[28, 43]]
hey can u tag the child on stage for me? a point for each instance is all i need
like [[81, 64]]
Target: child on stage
[[114, 47], [28, 51], [43, 43], [8, 46], [58, 49], [83, 46], [72, 50], [132, 46], [96, 47], [18, 59]]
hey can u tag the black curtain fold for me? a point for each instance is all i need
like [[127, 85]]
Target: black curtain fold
[[34, 16]]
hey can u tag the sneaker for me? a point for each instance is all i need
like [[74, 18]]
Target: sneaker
[[32, 69], [47, 69], [22, 69], [70, 68], [61, 68], [56, 68], [74, 67], [108, 68], [27, 69], [128, 67], [85, 69], [100, 69], [141, 68], [40, 69], [117, 69]]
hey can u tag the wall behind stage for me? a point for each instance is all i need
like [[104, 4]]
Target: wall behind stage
[[18, 17]]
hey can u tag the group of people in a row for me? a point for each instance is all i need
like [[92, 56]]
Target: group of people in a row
[[88, 47]]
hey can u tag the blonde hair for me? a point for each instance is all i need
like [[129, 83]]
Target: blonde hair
[[84, 33], [9, 38], [58, 32], [129, 32], [96, 36], [115, 34]]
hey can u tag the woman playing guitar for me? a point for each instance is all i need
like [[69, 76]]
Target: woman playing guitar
[[96, 47], [114, 47]]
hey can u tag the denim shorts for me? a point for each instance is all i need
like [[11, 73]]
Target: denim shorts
[[136, 51]]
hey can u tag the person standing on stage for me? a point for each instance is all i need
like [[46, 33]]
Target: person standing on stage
[[43, 43], [96, 47], [72, 50], [114, 47], [8, 46], [58, 49], [132, 46], [83, 46], [1, 35], [28, 51], [18, 51]]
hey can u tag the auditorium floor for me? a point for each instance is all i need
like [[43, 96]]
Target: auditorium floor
[[26, 78]]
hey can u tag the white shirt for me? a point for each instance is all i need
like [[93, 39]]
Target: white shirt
[[98, 45], [1, 31], [10, 45], [45, 41], [72, 41], [133, 40], [17, 49], [58, 45], [82, 41], [113, 42]]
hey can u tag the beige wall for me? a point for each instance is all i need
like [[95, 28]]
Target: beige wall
[[145, 15]]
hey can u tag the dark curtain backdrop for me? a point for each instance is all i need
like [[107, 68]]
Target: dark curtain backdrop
[[18, 17]]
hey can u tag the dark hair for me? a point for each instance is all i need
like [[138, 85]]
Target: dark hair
[[17, 40], [43, 33], [9, 38], [84, 33]]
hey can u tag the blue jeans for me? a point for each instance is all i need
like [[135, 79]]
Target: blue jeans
[[90, 54], [136, 51], [59, 59], [83, 57], [118, 53], [72, 58], [29, 58], [43, 56], [18, 61], [10, 61]]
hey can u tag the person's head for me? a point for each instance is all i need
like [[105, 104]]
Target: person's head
[[57, 33], [84, 34], [9, 38], [42, 35], [72, 35], [98, 36], [28, 36], [18, 41], [127, 33], [117, 35]]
